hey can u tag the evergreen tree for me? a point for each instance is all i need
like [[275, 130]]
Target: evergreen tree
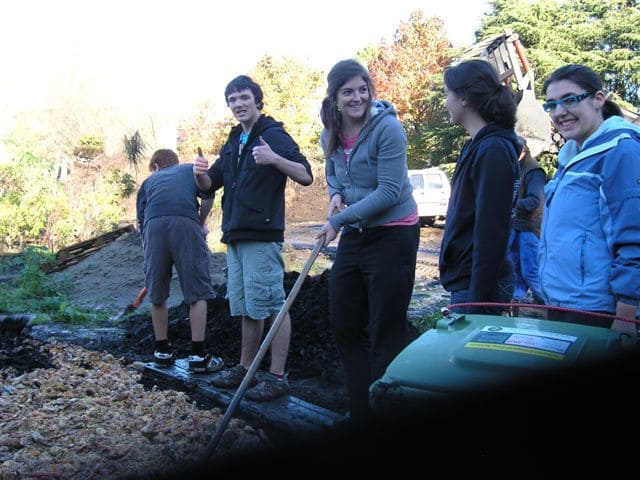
[[602, 34]]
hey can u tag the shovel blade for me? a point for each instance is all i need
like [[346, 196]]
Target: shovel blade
[[534, 124]]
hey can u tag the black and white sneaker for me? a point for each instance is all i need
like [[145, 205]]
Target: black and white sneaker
[[163, 358], [206, 364]]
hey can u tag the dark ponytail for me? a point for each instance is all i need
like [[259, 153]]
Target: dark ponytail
[[611, 109], [479, 84]]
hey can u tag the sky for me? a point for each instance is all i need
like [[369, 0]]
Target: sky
[[173, 54]]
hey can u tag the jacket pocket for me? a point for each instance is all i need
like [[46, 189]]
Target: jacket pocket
[[256, 212]]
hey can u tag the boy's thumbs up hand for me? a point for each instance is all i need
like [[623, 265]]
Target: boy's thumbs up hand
[[201, 165], [262, 154]]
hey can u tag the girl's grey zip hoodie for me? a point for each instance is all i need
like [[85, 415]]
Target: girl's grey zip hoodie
[[374, 185]]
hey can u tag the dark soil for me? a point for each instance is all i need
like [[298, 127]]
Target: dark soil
[[314, 366], [312, 352], [21, 354]]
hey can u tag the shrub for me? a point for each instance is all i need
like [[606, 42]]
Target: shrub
[[125, 183], [89, 147], [134, 149]]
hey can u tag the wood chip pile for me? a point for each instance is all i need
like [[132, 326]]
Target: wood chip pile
[[89, 417]]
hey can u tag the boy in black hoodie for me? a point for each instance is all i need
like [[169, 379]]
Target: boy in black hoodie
[[253, 168]]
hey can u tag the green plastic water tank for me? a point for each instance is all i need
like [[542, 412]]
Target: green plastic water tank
[[471, 352]]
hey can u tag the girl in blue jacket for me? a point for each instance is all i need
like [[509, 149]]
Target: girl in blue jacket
[[590, 242]]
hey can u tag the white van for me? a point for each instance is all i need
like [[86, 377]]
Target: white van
[[431, 190]]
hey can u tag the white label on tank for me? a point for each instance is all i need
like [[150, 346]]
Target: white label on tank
[[529, 331], [541, 343], [522, 340]]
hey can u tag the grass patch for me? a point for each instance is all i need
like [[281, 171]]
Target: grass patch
[[33, 291], [427, 322]]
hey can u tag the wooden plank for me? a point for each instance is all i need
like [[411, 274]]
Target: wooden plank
[[287, 414], [98, 241], [78, 251]]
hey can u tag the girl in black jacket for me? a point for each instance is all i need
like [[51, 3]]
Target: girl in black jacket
[[474, 260]]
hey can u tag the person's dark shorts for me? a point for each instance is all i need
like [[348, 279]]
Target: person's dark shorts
[[176, 241]]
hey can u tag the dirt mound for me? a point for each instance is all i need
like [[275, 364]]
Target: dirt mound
[[111, 278]]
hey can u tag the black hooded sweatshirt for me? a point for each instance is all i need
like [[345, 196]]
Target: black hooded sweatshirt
[[475, 244], [253, 199]]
